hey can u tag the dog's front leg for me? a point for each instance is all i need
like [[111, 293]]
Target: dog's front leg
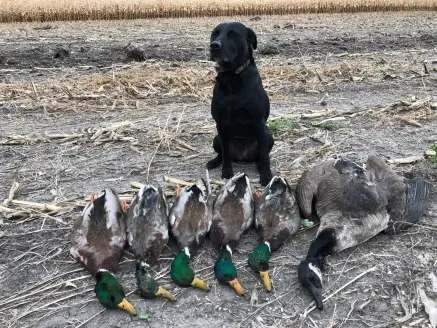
[[227, 171], [262, 134]]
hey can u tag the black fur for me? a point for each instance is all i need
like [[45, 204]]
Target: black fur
[[240, 105]]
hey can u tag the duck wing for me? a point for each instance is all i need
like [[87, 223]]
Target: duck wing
[[189, 219], [147, 224], [277, 213], [233, 211], [100, 233]]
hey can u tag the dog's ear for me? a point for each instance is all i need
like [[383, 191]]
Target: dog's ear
[[251, 38]]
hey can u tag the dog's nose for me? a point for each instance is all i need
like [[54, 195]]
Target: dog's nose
[[215, 45]]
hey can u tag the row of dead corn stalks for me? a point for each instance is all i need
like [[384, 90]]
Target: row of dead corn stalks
[[123, 10]]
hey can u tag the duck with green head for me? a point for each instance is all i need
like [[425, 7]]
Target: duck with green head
[[148, 286], [277, 218], [190, 221], [147, 235], [182, 274], [225, 271], [232, 216], [98, 239]]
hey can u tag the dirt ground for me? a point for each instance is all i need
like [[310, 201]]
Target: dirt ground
[[67, 87]]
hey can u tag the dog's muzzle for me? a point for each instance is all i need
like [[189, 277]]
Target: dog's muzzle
[[215, 50], [215, 46]]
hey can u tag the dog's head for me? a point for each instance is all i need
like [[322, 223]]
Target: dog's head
[[232, 44]]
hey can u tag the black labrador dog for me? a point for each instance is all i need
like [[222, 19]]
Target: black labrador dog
[[240, 105]]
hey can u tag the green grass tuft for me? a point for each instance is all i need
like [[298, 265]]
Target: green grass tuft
[[281, 125], [329, 126], [433, 159]]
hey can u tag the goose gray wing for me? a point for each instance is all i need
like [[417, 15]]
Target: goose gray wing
[[350, 204], [391, 185]]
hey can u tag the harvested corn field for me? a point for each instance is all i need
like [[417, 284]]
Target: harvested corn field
[[85, 105], [51, 10]]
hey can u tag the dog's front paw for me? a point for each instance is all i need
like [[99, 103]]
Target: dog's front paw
[[212, 164], [227, 173], [265, 177]]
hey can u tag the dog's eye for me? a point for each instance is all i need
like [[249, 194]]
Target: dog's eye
[[215, 33]]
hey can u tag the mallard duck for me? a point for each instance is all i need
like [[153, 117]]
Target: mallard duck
[[190, 218], [354, 203], [147, 235], [277, 218], [225, 271], [232, 215], [148, 286], [181, 272], [190, 221], [97, 242]]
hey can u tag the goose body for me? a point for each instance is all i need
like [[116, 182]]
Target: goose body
[[354, 203], [277, 218], [99, 236]]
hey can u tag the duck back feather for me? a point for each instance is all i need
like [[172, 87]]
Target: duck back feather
[[189, 218], [147, 224], [276, 213], [232, 212], [99, 234]]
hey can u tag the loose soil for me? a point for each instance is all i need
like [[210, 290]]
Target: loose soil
[[375, 74]]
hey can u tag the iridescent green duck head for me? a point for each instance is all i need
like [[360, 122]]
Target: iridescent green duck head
[[110, 293], [182, 274], [259, 262], [148, 286], [225, 271]]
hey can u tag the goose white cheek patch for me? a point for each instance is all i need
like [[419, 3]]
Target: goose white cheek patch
[[316, 270]]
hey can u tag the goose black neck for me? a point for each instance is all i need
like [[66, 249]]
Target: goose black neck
[[321, 247]]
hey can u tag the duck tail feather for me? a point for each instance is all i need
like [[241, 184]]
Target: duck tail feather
[[417, 194], [240, 188]]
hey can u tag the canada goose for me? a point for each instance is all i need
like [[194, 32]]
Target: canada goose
[[277, 217], [354, 203]]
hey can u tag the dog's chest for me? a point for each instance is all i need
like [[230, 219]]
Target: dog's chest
[[237, 121], [234, 113]]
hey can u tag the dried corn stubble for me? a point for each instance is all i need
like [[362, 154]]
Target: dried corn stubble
[[42, 10]]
